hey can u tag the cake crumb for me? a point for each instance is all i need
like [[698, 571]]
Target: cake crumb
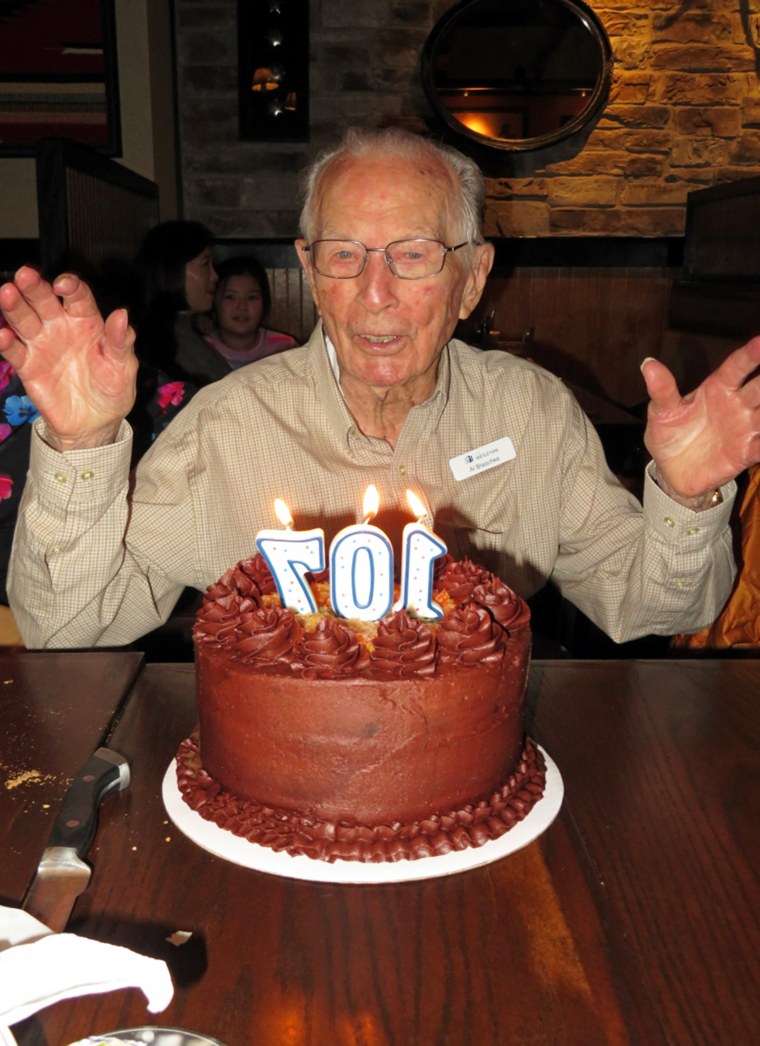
[[27, 777]]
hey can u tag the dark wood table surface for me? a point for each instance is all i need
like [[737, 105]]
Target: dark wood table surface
[[55, 710], [634, 918]]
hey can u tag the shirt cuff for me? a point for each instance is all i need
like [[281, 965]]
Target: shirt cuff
[[675, 523], [76, 479]]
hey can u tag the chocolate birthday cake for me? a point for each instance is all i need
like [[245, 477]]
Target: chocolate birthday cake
[[366, 741]]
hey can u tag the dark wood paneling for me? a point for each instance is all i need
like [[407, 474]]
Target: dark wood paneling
[[591, 326]]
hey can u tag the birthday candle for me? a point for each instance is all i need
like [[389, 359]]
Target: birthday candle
[[361, 567], [290, 554], [419, 549]]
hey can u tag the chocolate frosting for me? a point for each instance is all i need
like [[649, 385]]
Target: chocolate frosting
[[266, 634], [506, 607], [331, 650], [241, 613], [217, 621], [459, 578], [403, 648], [473, 825], [470, 636]]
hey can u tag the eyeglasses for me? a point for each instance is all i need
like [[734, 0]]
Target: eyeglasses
[[407, 259]]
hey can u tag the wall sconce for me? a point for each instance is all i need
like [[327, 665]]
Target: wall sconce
[[273, 70]]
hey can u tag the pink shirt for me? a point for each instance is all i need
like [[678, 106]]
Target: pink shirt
[[269, 344]]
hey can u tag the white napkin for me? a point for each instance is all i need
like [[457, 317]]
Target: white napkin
[[39, 967]]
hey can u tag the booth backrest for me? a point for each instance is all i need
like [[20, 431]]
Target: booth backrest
[[90, 209]]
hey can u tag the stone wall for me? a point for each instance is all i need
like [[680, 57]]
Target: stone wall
[[684, 112]]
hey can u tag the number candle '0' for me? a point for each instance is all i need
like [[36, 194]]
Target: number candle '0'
[[361, 567], [290, 554], [420, 548]]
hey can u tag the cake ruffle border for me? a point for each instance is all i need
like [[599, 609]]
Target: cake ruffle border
[[283, 830]]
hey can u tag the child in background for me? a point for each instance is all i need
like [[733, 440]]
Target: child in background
[[241, 307]]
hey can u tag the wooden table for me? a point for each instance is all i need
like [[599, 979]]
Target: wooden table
[[55, 710], [634, 918]]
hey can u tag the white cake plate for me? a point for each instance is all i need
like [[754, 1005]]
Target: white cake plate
[[240, 851]]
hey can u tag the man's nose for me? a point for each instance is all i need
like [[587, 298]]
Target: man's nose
[[377, 282]]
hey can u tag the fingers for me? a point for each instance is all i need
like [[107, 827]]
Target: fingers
[[78, 299], [30, 301], [11, 348], [661, 385], [737, 367], [120, 337]]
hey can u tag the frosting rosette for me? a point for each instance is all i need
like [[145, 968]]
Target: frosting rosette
[[460, 578], [266, 634], [403, 647], [470, 635], [507, 608], [218, 590], [218, 621], [254, 576], [331, 650]]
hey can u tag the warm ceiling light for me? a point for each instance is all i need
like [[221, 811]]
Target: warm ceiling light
[[264, 79]]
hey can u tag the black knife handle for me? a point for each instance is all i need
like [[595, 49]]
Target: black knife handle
[[104, 772]]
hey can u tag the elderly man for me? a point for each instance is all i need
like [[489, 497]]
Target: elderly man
[[511, 471]]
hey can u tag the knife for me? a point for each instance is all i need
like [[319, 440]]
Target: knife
[[62, 875]]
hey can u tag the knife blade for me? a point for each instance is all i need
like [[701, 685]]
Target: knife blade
[[62, 875]]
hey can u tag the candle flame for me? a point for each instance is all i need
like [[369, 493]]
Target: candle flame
[[371, 502], [418, 509], [282, 512]]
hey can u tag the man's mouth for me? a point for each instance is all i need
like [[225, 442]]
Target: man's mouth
[[379, 339]]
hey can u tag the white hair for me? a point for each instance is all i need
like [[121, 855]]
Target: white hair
[[467, 204]]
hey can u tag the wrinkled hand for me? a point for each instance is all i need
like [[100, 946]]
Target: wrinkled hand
[[703, 440], [78, 370]]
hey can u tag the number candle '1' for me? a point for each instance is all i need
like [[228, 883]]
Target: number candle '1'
[[361, 567], [290, 554], [419, 550]]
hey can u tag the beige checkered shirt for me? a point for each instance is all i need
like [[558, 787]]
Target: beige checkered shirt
[[97, 564]]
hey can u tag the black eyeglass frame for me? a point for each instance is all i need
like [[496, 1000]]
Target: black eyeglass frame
[[308, 249]]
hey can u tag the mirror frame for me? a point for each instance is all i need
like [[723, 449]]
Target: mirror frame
[[596, 102]]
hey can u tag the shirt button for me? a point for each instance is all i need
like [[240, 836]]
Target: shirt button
[[402, 470], [669, 521], [679, 582], [88, 474], [694, 530], [60, 477], [56, 548]]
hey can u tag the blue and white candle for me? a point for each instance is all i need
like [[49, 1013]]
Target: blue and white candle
[[290, 555], [420, 548], [361, 567]]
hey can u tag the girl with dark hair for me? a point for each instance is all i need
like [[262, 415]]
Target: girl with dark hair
[[241, 309]]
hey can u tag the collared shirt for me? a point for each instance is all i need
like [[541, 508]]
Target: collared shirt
[[511, 470]]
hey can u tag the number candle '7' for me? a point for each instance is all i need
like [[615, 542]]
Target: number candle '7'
[[290, 555]]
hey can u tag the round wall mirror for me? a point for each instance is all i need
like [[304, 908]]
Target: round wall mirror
[[517, 74]]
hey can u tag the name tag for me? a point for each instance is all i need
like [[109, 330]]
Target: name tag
[[482, 458]]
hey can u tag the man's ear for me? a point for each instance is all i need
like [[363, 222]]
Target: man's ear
[[477, 275], [305, 259]]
